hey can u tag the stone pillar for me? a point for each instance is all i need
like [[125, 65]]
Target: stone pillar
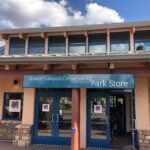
[[22, 135], [144, 139]]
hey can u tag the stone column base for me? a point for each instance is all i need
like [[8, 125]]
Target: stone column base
[[144, 139], [22, 135]]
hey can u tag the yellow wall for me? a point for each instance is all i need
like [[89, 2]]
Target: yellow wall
[[142, 106]]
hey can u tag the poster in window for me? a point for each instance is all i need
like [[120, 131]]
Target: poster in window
[[14, 105], [98, 109], [45, 107]]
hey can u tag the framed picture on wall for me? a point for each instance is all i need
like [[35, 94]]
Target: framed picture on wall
[[98, 109], [14, 105], [45, 107]]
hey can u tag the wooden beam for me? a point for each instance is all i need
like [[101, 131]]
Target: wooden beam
[[111, 65], [132, 31], [45, 67], [65, 34], [10, 67], [67, 43], [7, 67], [4, 36], [43, 35], [87, 41], [108, 41], [22, 35]]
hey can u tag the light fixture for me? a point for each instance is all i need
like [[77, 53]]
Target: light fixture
[[16, 82]]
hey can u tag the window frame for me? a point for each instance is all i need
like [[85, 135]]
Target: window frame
[[11, 46], [31, 45], [120, 41], [4, 110]]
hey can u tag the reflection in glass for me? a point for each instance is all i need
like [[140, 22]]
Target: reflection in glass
[[65, 117], [17, 46], [57, 44], [36, 45], [97, 43], [45, 117], [142, 45], [142, 40], [98, 120], [120, 41], [77, 44]]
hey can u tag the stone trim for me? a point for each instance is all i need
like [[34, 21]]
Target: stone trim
[[7, 129], [144, 139], [22, 135]]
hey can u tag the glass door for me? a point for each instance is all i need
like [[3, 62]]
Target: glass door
[[64, 118], [44, 122], [98, 126], [53, 118]]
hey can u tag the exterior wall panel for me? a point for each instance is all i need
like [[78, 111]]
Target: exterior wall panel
[[142, 103], [28, 106]]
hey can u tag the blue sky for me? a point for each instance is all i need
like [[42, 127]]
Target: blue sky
[[130, 10], [36, 13]]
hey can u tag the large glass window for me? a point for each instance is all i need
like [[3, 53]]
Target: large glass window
[[13, 104], [142, 40], [36, 45], [2, 46], [57, 44], [97, 43], [120, 42], [77, 44], [17, 46]]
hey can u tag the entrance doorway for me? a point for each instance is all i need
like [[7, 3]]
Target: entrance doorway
[[120, 120], [109, 118], [98, 125], [52, 117]]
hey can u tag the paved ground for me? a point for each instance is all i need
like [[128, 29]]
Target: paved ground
[[9, 146]]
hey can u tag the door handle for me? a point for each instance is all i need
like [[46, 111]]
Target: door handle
[[57, 118], [107, 120], [53, 118]]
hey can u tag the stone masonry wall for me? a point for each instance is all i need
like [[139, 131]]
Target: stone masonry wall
[[144, 139], [22, 135], [7, 129]]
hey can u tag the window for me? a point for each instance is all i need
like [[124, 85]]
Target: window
[[77, 44], [142, 40], [36, 45], [17, 46], [120, 42], [57, 44], [2, 47], [97, 43], [12, 99]]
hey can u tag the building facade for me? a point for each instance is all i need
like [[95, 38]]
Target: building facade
[[84, 86]]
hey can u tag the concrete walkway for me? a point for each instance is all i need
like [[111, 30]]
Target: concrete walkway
[[9, 146]]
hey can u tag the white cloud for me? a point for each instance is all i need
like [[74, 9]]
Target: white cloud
[[34, 13]]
